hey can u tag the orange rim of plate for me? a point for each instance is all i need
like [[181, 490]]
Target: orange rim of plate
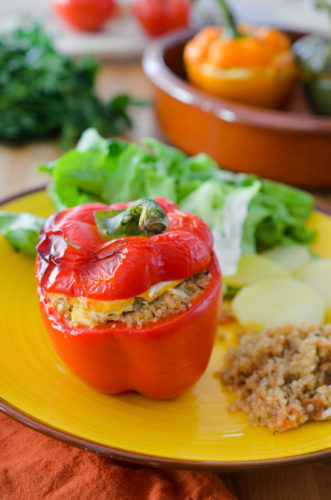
[[140, 458]]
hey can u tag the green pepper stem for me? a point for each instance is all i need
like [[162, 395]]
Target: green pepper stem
[[143, 217], [230, 22]]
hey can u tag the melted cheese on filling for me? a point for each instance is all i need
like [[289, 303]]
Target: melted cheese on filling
[[116, 307]]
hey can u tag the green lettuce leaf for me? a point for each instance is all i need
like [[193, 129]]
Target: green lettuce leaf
[[21, 230], [225, 209], [246, 214]]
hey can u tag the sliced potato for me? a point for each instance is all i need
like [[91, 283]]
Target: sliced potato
[[274, 302], [291, 257], [254, 268], [317, 274]]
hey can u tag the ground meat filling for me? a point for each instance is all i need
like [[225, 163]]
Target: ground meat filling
[[173, 301], [282, 376]]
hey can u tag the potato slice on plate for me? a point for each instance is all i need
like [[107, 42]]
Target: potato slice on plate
[[273, 302], [317, 274], [292, 257], [254, 268]]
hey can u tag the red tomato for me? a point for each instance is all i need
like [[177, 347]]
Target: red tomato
[[158, 16], [85, 15]]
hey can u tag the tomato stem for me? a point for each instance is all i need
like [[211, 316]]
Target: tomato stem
[[144, 217]]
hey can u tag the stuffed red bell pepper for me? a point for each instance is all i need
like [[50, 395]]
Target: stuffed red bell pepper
[[130, 295]]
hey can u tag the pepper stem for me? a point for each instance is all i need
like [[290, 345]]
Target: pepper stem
[[143, 217], [230, 22]]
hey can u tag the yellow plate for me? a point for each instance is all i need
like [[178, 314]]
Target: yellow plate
[[195, 430]]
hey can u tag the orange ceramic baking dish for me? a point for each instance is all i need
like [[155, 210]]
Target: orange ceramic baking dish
[[290, 145]]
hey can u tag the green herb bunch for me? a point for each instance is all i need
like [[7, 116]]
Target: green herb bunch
[[43, 93]]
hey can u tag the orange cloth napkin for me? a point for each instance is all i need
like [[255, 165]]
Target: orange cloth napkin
[[34, 466]]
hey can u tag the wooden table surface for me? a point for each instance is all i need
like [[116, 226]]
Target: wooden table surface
[[18, 172]]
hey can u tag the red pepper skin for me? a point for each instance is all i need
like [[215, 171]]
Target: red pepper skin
[[74, 259], [159, 16], [160, 360]]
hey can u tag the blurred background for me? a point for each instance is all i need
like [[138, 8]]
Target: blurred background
[[122, 37], [116, 44]]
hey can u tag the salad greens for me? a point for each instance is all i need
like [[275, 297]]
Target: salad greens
[[43, 93], [21, 230], [246, 214]]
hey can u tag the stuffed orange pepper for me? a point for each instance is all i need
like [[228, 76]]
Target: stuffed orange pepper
[[244, 64], [130, 295]]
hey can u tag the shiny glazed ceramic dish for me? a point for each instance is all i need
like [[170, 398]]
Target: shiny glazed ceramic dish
[[291, 145], [192, 431]]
